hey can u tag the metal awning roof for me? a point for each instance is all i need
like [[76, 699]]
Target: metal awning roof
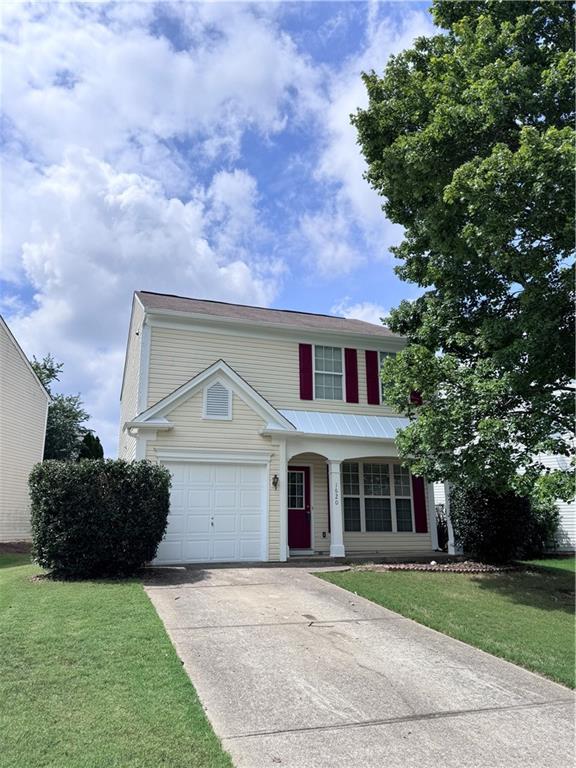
[[345, 424]]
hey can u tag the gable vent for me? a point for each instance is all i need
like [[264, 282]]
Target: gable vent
[[218, 403]]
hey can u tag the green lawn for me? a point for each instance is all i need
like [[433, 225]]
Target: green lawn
[[89, 679], [526, 617]]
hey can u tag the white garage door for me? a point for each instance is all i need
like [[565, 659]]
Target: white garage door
[[217, 513]]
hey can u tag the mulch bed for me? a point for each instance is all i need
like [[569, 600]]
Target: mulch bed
[[465, 566]]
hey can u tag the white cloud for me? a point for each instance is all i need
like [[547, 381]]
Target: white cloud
[[96, 235], [366, 310], [354, 206]]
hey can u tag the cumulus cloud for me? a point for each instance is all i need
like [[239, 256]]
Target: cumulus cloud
[[353, 206], [366, 310]]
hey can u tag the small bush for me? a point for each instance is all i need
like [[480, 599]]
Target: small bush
[[501, 527], [442, 527], [97, 517]]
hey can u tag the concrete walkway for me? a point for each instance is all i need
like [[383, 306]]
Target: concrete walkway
[[298, 673]]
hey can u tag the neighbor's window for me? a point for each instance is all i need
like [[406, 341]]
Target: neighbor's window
[[328, 375], [383, 356], [377, 498]]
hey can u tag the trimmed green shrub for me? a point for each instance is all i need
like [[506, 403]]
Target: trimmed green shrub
[[97, 517], [501, 527]]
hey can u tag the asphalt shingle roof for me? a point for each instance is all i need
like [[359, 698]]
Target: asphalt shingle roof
[[285, 317]]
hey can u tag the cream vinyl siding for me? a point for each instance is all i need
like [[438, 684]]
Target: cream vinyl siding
[[23, 411], [355, 543], [129, 396], [270, 365], [241, 433]]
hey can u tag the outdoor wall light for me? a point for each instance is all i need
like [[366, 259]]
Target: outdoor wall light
[[275, 481]]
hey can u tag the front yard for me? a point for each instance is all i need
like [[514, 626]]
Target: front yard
[[526, 617], [89, 679]]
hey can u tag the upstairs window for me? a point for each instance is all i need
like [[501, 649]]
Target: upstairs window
[[328, 373], [217, 402]]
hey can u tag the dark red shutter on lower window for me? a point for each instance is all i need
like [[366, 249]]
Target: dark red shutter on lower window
[[351, 369], [372, 378], [419, 497], [328, 493], [306, 384]]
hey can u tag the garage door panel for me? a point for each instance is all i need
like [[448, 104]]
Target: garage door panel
[[199, 499], [224, 549], [250, 523], [169, 551], [198, 524], [249, 549], [197, 549], [225, 498], [216, 513]]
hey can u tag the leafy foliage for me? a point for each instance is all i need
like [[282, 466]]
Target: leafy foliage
[[90, 447], [66, 415], [97, 517], [501, 527], [469, 138]]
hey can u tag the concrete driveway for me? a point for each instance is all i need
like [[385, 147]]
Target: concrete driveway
[[298, 673]]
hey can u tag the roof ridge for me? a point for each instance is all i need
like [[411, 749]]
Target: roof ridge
[[253, 306]]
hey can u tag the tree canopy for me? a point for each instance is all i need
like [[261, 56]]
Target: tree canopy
[[65, 430], [469, 138]]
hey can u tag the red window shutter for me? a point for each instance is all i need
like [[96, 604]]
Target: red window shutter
[[415, 397], [351, 369], [418, 495], [328, 493], [306, 374], [372, 378]]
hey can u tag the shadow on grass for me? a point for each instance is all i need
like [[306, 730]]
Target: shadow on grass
[[548, 589], [14, 560]]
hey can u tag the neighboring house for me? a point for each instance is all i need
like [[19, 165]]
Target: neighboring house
[[23, 413], [273, 427]]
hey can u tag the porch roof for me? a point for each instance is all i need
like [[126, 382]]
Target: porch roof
[[345, 424]]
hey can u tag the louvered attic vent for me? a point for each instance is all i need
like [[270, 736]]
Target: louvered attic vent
[[218, 402]]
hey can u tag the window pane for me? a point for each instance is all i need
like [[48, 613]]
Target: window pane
[[401, 481], [328, 359], [328, 386], [376, 480], [351, 514], [378, 515], [350, 479], [295, 490], [403, 514]]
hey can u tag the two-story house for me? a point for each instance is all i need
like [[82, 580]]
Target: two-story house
[[273, 427]]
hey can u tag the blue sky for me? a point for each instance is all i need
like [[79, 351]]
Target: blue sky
[[202, 149]]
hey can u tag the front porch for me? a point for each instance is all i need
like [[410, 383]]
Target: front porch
[[354, 502]]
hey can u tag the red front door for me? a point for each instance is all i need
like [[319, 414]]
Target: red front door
[[299, 508]]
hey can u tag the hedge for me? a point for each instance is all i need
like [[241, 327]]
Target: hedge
[[97, 517], [501, 527]]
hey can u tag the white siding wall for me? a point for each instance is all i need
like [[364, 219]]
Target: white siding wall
[[129, 398], [269, 364], [23, 409], [242, 433], [566, 537]]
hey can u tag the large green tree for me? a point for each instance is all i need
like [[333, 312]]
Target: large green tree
[[469, 138], [65, 430]]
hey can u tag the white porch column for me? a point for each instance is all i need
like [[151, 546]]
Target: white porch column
[[283, 490], [336, 516], [432, 527], [453, 548]]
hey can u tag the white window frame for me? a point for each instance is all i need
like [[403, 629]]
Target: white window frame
[[205, 414], [392, 498], [328, 373], [298, 472]]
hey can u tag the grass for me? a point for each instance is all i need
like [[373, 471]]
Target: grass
[[89, 679], [526, 617]]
